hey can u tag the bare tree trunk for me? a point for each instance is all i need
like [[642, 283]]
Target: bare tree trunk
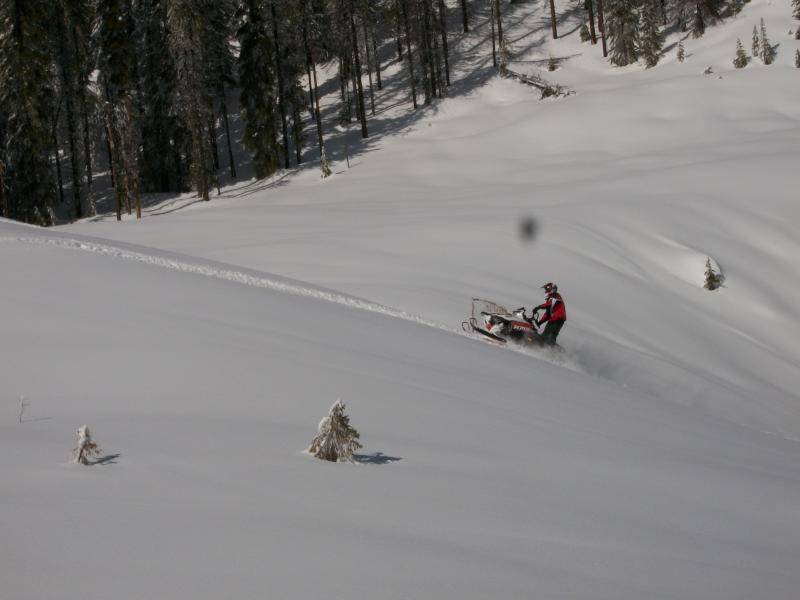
[[362, 112], [3, 207], [279, 72], [111, 154], [67, 84], [132, 158], [445, 51], [224, 107], [369, 68], [590, 4], [494, 45], [431, 87], [499, 18], [297, 119], [317, 113], [465, 15], [400, 11], [601, 26], [87, 157], [409, 53], [54, 132], [212, 138], [553, 19], [438, 64], [377, 59]]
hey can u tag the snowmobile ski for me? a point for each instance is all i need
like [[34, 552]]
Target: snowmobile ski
[[472, 326]]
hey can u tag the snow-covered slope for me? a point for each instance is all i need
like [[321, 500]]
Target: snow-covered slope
[[657, 457], [486, 473]]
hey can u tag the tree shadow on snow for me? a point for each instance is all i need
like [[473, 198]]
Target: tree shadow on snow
[[110, 459], [376, 458]]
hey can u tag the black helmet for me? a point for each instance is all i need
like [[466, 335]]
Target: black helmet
[[550, 288]]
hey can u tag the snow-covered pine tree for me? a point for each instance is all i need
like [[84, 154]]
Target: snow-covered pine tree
[[797, 58], [736, 6], [713, 279], [622, 28], [681, 52], [86, 449], [796, 9], [767, 51], [26, 93], [336, 439], [584, 33], [552, 63], [257, 83], [651, 40], [740, 60], [756, 45]]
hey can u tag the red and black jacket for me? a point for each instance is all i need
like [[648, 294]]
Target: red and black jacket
[[554, 309]]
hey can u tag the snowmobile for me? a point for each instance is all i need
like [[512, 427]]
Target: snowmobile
[[500, 325]]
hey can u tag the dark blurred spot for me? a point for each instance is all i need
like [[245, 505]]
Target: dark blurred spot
[[528, 229]]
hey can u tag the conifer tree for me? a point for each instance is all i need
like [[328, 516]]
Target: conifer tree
[[736, 6], [756, 46], [117, 63], [188, 39], [767, 51], [69, 84], [681, 52], [713, 279], [336, 440], [651, 38], [706, 12], [796, 9], [797, 58], [311, 31], [86, 448], [160, 125], [81, 21], [257, 84], [740, 61], [622, 28], [26, 93]]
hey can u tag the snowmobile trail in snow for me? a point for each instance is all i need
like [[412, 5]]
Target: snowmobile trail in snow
[[224, 272], [204, 268]]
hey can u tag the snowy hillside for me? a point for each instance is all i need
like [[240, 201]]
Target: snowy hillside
[[657, 456]]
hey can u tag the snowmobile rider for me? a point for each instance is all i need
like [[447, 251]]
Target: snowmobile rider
[[555, 313]]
